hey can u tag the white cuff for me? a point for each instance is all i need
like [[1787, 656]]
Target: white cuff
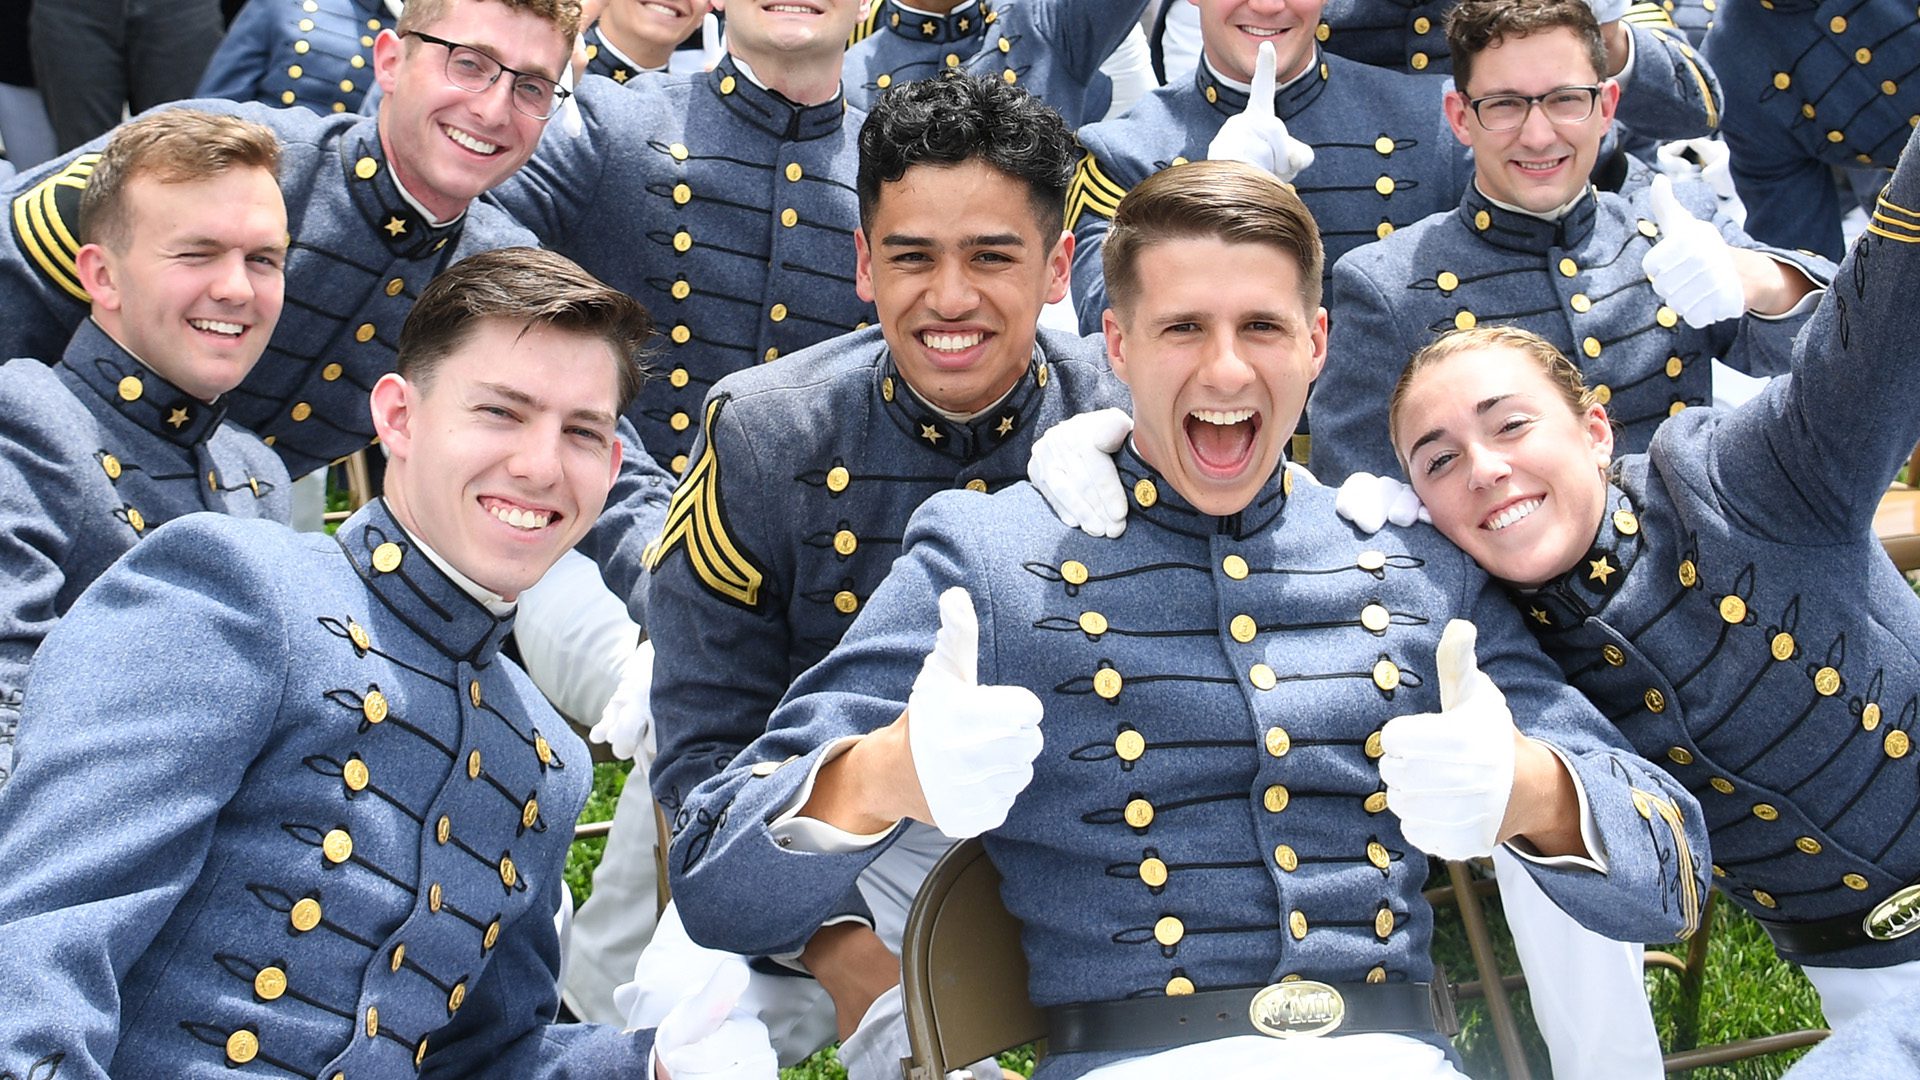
[[1589, 830], [796, 833], [1626, 69]]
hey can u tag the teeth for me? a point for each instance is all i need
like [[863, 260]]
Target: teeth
[[1223, 417], [468, 141], [952, 342], [522, 519], [1258, 31], [1511, 514], [1537, 166], [663, 9], [795, 9], [215, 326]]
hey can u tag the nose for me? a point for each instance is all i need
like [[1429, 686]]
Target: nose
[[1536, 129], [231, 284], [1485, 467], [952, 294], [494, 105], [1225, 369], [536, 455]]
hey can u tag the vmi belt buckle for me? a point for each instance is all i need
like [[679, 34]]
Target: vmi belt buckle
[[1895, 917], [1299, 1009]]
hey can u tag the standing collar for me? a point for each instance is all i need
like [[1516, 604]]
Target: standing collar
[[964, 440], [769, 110], [1568, 600], [1288, 100], [1150, 496], [397, 570], [1516, 230], [392, 214], [134, 390], [966, 23]]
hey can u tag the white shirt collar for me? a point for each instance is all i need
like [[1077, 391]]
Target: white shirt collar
[[1555, 214], [1247, 88], [498, 605]]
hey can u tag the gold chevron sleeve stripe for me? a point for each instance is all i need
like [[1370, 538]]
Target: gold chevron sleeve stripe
[[1895, 222], [1650, 804], [1649, 14], [1092, 191], [695, 521], [42, 231]]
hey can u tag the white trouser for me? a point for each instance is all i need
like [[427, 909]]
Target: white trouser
[[799, 1015], [1589, 992], [309, 501], [1845, 993], [617, 921], [1372, 1056]]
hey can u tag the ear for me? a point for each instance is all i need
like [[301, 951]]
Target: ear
[[392, 402], [1318, 335], [387, 52], [99, 276], [1599, 429], [1454, 103], [1116, 344], [613, 470], [862, 265], [1609, 99], [1060, 269]]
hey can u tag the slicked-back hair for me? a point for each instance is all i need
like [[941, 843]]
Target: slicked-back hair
[[531, 287], [172, 146], [1474, 26], [955, 118], [1223, 200], [564, 15]]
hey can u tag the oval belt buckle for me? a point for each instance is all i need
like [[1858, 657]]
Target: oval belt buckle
[[1896, 916], [1300, 1009]]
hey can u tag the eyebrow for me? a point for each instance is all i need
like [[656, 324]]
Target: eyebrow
[[1480, 409], [521, 397], [986, 240]]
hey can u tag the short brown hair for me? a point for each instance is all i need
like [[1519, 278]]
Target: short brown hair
[[1559, 370], [1474, 26], [564, 15], [1224, 200], [172, 146], [532, 287]]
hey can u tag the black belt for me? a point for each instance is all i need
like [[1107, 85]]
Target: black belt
[[1892, 918], [1285, 1009]]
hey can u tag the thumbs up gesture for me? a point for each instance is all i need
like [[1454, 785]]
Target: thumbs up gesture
[[973, 746], [1257, 136], [1449, 774], [1692, 267], [706, 1038]]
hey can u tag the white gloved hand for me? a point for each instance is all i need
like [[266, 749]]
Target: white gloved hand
[[1072, 466], [706, 1038], [1606, 11], [626, 724], [1713, 158], [1371, 501], [1692, 267], [973, 746], [1258, 136], [712, 47], [1449, 774]]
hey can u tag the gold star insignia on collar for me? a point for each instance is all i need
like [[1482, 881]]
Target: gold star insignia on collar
[[620, 75], [1006, 425], [930, 433], [178, 418], [927, 28], [395, 227], [965, 24], [1540, 616], [1600, 569]]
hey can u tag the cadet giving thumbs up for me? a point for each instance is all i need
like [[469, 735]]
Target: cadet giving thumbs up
[[1692, 267]]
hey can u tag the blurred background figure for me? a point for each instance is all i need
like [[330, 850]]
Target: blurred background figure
[[25, 134], [96, 59]]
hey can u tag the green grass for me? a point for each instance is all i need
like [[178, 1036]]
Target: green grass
[[1747, 991]]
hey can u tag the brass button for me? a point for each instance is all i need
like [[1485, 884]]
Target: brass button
[[1275, 798], [1897, 744], [457, 997], [1465, 320], [1130, 745], [542, 749], [1383, 230], [110, 465], [1580, 303], [270, 983], [337, 847], [1568, 268], [1376, 974], [365, 167], [1447, 280], [845, 543], [1854, 882], [443, 829], [838, 478], [1679, 755], [1689, 574], [300, 411], [373, 1021], [287, 97], [1179, 986], [1781, 80], [1836, 136], [1377, 855], [1612, 655], [1826, 682], [1106, 683], [1422, 24], [1286, 859], [398, 957], [778, 313], [977, 484], [1765, 812], [396, 287], [131, 388], [1374, 618], [1764, 899], [1093, 623], [354, 775], [530, 813], [242, 1047], [1153, 872], [1647, 228], [1242, 628], [793, 172], [1374, 746], [509, 873], [1169, 931], [374, 706], [1384, 185], [1591, 346], [1666, 316], [1383, 924], [681, 289], [305, 915], [1371, 561], [845, 602], [1297, 924], [1419, 61], [1145, 493], [1009, 76], [886, 388], [1722, 785], [1655, 700], [1383, 145], [1385, 675], [1732, 609], [678, 378], [680, 334], [789, 217], [1138, 813], [682, 194], [1482, 220], [332, 372], [1072, 572], [434, 897], [677, 151], [346, 87], [1602, 393], [364, 333], [1278, 741], [473, 765], [682, 241], [1376, 802], [386, 557], [1870, 716], [1808, 844], [473, 692], [1262, 677], [680, 421], [727, 84], [1234, 567], [1838, 24]]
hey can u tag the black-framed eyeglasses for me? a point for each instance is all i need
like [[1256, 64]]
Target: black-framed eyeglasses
[[1561, 105], [475, 72]]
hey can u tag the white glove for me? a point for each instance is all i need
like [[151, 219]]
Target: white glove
[[712, 47], [626, 724], [1606, 11], [1449, 774], [1257, 136], [706, 1038], [973, 746], [1715, 163], [1371, 501], [1692, 267], [1072, 466]]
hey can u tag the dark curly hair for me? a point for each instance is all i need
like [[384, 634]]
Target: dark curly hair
[[955, 118]]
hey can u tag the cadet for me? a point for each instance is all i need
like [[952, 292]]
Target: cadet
[[1811, 86], [723, 200], [1200, 820], [314, 53], [332, 844], [634, 37], [1053, 49], [807, 471], [182, 237], [1644, 294]]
